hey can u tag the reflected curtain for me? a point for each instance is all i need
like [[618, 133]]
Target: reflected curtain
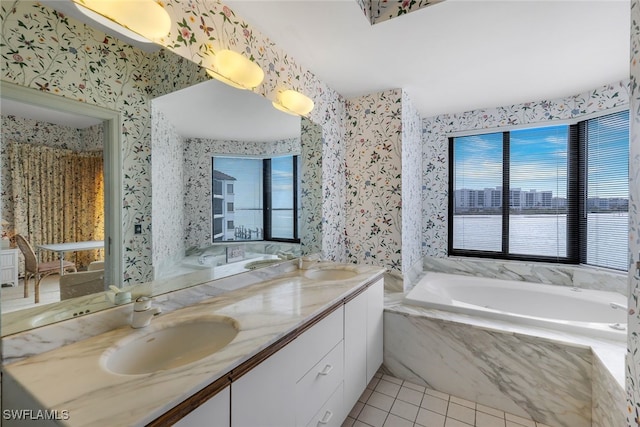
[[58, 197]]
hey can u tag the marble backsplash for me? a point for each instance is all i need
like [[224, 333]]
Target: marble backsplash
[[553, 274]]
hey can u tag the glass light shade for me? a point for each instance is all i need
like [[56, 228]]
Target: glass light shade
[[236, 70], [144, 18], [293, 102]]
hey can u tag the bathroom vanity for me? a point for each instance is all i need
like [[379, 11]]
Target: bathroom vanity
[[303, 347]]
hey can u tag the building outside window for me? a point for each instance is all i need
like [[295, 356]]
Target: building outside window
[[260, 200], [555, 193]]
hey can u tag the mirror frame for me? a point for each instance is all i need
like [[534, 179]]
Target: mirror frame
[[112, 174]]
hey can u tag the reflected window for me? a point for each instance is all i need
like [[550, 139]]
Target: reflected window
[[258, 198]]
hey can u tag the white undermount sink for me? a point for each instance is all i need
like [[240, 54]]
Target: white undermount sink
[[169, 347], [330, 274]]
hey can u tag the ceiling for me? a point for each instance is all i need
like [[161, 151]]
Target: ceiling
[[450, 57], [215, 110], [456, 55]]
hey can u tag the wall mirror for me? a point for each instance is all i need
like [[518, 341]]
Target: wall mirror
[[232, 170], [172, 245]]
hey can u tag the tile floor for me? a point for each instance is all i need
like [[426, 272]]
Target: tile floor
[[391, 402], [13, 297]]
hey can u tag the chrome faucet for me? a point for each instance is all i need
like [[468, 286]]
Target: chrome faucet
[[142, 312]]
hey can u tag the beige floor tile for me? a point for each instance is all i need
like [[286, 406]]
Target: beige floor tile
[[373, 416], [463, 402], [405, 410], [520, 420], [392, 379], [373, 383], [380, 401], [355, 411], [486, 420], [409, 395], [365, 395], [437, 394], [455, 423], [388, 388], [427, 418], [348, 422], [490, 411], [461, 413], [396, 421], [413, 386], [434, 404]]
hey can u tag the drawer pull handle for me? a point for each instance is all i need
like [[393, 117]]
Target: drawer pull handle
[[326, 418], [326, 370]]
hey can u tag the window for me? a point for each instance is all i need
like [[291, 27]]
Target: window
[[555, 193], [282, 176], [261, 197], [607, 205]]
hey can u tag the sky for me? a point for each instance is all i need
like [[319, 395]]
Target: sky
[[539, 158], [248, 185]]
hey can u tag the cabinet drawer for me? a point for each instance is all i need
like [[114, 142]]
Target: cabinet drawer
[[316, 342], [331, 413], [315, 388]]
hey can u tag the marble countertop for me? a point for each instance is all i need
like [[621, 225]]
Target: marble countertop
[[71, 378]]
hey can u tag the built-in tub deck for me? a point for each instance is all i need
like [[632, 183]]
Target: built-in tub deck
[[559, 378]]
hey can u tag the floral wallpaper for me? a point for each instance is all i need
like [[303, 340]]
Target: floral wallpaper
[[311, 192], [435, 168], [411, 191], [167, 176], [48, 51], [374, 183], [633, 348], [19, 129], [200, 28], [378, 11]]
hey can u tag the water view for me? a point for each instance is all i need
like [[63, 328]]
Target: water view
[[545, 234]]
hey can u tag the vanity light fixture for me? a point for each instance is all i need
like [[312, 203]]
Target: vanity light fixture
[[293, 102], [236, 70], [140, 20]]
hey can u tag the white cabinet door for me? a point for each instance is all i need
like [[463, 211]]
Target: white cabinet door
[[355, 349], [375, 308], [362, 341], [215, 412], [265, 395]]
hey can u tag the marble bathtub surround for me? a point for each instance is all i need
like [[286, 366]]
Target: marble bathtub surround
[[581, 276], [553, 377], [264, 311]]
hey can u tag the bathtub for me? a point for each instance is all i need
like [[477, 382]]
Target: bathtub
[[593, 313]]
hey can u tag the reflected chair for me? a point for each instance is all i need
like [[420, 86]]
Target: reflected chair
[[81, 283], [38, 270], [95, 265]]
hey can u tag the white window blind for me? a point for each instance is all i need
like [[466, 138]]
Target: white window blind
[[607, 204]]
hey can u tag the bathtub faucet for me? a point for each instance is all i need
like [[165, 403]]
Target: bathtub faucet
[[615, 305]]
